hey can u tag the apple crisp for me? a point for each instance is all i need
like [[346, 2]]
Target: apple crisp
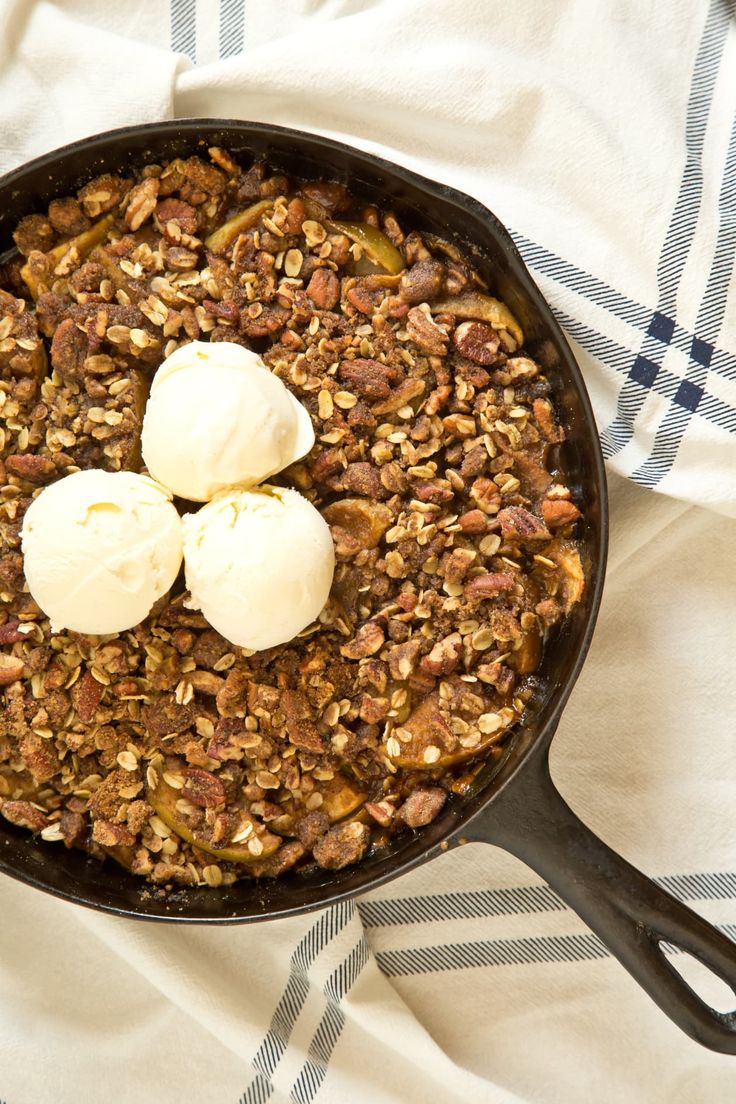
[[165, 748]]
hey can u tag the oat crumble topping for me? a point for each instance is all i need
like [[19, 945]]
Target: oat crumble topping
[[188, 760]]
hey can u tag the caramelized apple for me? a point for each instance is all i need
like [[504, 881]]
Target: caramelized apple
[[83, 244], [374, 244], [483, 307], [426, 741], [362, 519], [163, 798], [225, 235]]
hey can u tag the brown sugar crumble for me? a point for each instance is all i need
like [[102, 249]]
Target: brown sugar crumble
[[186, 759]]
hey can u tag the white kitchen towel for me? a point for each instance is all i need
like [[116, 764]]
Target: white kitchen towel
[[603, 136], [467, 981]]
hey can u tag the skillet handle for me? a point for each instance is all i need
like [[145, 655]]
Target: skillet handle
[[629, 912]]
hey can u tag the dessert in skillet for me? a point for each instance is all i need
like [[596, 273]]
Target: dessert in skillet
[[363, 480]]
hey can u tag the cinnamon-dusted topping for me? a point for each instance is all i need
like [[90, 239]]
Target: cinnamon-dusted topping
[[190, 761]]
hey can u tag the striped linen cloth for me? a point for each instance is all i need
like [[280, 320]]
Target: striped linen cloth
[[604, 136]]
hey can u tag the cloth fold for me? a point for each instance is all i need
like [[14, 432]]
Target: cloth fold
[[619, 200], [605, 138]]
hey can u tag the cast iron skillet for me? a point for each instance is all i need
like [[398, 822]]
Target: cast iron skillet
[[516, 805]]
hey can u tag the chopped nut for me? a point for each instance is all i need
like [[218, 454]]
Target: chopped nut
[[11, 669], [429, 335], [490, 584], [444, 657], [559, 512], [368, 640], [477, 341]]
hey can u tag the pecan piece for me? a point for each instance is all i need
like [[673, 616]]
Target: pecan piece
[[231, 697], [382, 812], [473, 522], [429, 335], [498, 675], [444, 657], [222, 746], [176, 211], [402, 658], [368, 378], [36, 469], [141, 203], [438, 398], [69, 350], [558, 512], [402, 395], [368, 640], [24, 815], [433, 492], [474, 462], [518, 524], [228, 310], [72, 827], [40, 756], [324, 288], [489, 585], [86, 696], [477, 341], [9, 633], [535, 479], [11, 669], [486, 494], [373, 710], [271, 318], [203, 788]]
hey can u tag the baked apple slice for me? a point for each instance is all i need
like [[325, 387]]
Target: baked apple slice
[[374, 244], [426, 740], [256, 843], [223, 237], [36, 272]]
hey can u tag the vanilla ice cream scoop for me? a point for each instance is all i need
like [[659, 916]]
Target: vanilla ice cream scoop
[[99, 549], [259, 564], [218, 417]]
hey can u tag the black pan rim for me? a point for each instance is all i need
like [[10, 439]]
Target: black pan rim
[[416, 852]]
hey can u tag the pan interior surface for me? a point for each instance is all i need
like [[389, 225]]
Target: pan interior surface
[[422, 205]]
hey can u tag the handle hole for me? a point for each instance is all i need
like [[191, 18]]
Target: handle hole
[[708, 986]]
